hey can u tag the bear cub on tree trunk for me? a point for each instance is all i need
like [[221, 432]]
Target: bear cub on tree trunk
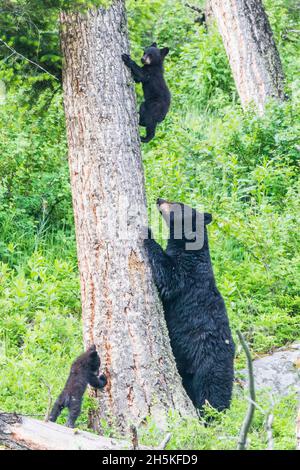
[[156, 93], [84, 371], [194, 308]]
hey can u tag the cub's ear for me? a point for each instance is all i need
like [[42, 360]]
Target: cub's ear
[[154, 44], [207, 218], [164, 52], [93, 354]]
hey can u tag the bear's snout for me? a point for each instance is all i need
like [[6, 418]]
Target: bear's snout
[[146, 59]]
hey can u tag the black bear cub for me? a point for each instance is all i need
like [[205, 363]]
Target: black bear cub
[[84, 371], [156, 93], [194, 308]]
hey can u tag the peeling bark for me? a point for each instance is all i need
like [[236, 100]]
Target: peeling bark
[[121, 311], [251, 50]]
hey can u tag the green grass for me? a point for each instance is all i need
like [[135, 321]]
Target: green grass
[[208, 152]]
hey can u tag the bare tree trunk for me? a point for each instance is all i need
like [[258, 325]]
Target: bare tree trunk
[[122, 314], [251, 50]]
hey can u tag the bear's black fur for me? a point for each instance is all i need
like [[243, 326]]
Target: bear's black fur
[[194, 308], [84, 371], [156, 93]]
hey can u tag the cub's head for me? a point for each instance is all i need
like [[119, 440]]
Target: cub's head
[[93, 359], [153, 55], [187, 226]]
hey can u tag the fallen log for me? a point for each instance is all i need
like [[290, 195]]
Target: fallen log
[[23, 433]]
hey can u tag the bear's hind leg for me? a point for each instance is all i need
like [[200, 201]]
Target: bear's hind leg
[[74, 411], [150, 133], [187, 382], [142, 115], [58, 406], [213, 389]]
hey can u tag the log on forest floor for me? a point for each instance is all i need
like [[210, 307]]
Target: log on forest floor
[[24, 433]]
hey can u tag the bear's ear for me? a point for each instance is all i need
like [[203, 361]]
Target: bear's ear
[[207, 218], [154, 44], [93, 354], [164, 52]]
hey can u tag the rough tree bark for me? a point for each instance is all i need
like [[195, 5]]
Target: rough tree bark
[[208, 11], [251, 50], [121, 311]]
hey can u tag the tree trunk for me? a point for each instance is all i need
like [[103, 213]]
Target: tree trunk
[[208, 12], [121, 311], [251, 50]]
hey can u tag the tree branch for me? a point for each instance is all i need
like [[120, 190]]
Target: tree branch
[[14, 52], [49, 407], [269, 423], [165, 442], [251, 408]]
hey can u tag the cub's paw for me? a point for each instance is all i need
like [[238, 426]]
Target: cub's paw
[[102, 380], [145, 139], [126, 58]]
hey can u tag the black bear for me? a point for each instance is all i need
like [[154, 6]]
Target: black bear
[[194, 308], [156, 93], [84, 371]]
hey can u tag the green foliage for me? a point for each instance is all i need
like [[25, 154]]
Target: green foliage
[[34, 179], [208, 152], [223, 431], [31, 28], [40, 331]]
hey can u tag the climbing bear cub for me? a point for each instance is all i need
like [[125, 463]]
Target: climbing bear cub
[[84, 371], [194, 308], [156, 93]]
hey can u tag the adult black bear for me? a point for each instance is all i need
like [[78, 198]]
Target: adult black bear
[[194, 308], [84, 371], [156, 93]]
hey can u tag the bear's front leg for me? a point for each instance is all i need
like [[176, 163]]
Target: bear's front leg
[[162, 267], [98, 382], [137, 72]]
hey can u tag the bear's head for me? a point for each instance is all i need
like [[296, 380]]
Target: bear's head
[[187, 226], [93, 359], [153, 55]]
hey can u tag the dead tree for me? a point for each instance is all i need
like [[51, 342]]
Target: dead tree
[[251, 50]]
